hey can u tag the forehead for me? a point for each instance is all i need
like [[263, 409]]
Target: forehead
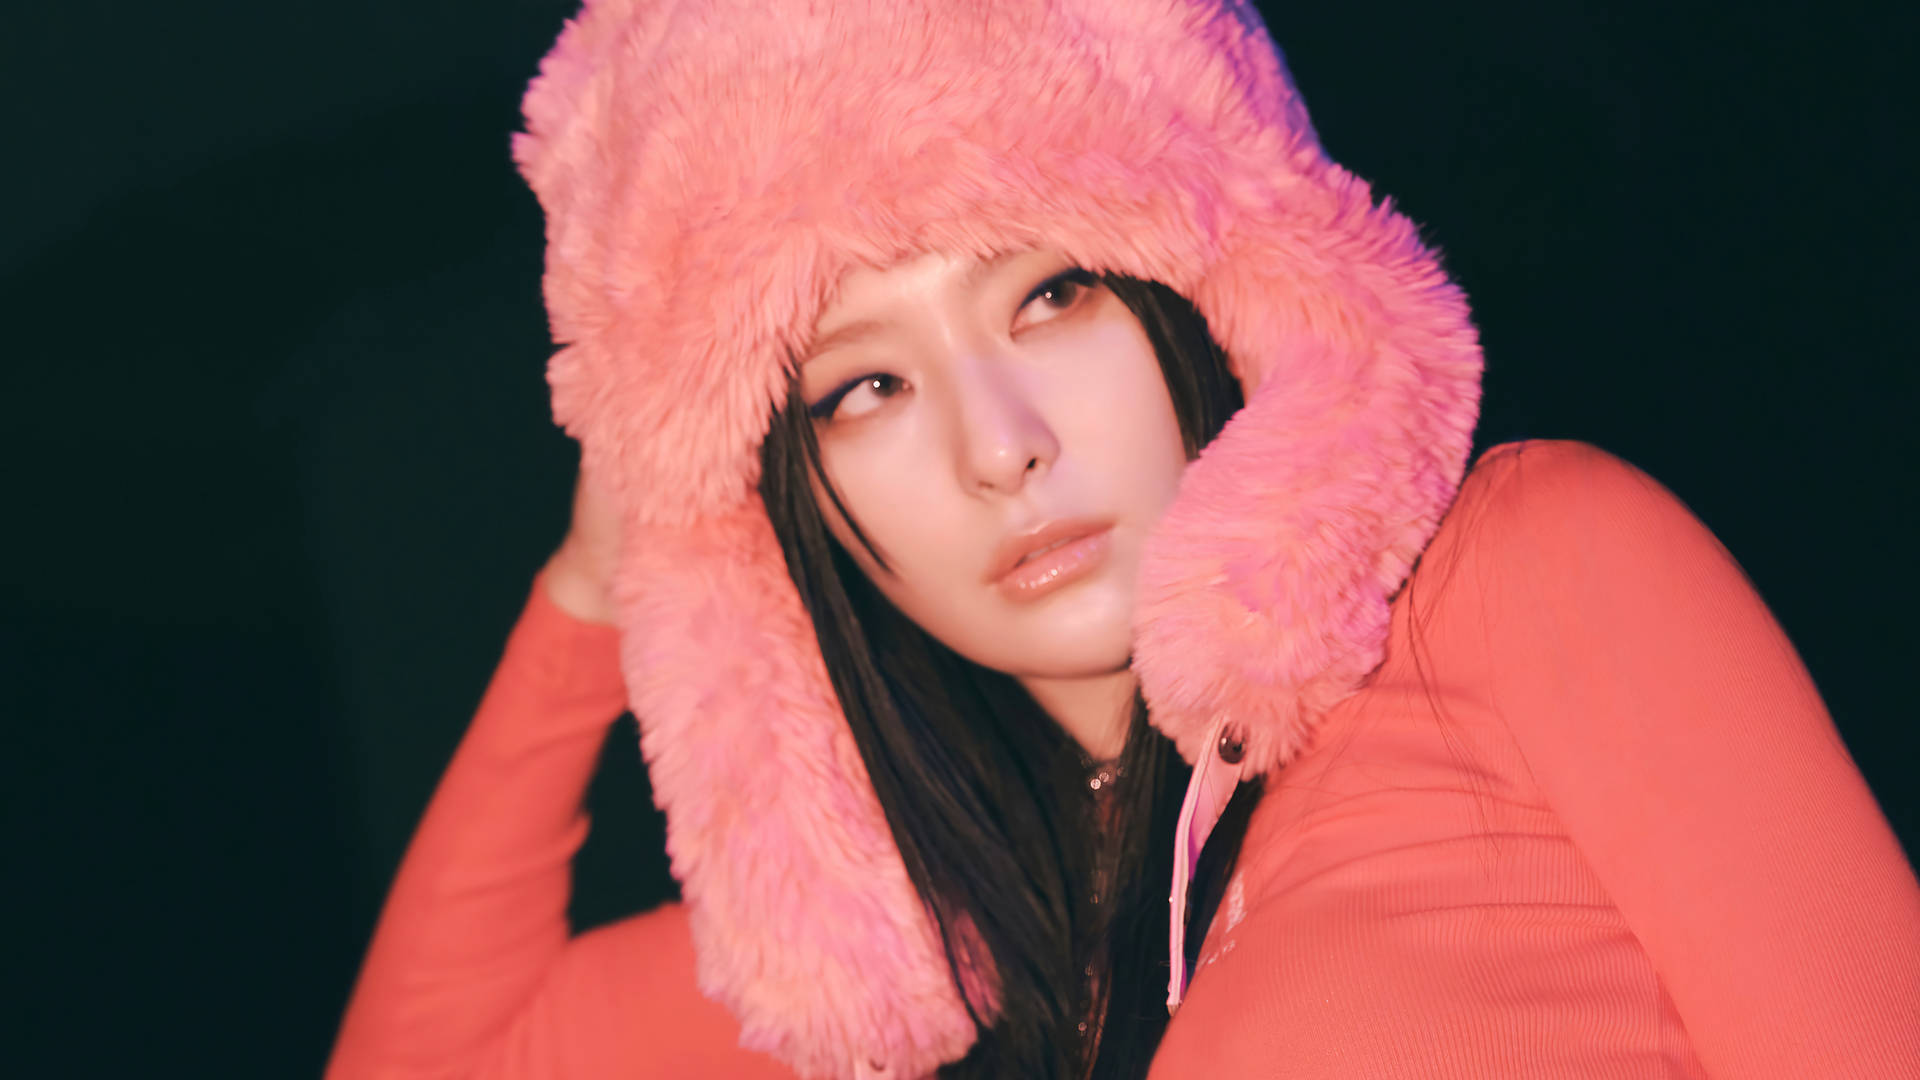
[[867, 293]]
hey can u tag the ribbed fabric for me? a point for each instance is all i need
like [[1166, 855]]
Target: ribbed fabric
[[1589, 819], [471, 973]]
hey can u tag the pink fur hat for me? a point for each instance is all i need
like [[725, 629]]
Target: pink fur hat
[[709, 170]]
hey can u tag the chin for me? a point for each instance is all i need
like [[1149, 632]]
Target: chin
[[1074, 634], [1058, 663]]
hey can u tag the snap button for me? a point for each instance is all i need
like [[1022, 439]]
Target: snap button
[[1233, 746]]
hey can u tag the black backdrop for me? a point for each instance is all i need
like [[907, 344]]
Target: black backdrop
[[278, 463]]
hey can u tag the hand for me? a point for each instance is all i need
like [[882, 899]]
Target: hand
[[579, 575]]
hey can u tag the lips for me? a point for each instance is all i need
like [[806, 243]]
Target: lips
[[1055, 546], [1035, 561], [1035, 540]]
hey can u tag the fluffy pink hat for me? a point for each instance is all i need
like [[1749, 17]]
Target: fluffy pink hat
[[710, 169]]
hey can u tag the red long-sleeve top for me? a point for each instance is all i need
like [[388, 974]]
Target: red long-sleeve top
[[1589, 819]]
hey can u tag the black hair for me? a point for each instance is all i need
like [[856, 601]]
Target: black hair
[[986, 795]]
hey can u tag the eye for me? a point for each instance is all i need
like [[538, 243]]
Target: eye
[[1058, 294], [857, 397]]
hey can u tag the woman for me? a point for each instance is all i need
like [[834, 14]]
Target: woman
[[1053, 597]]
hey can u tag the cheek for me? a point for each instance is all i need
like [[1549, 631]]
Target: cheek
[[893, 486], [1120, 424]]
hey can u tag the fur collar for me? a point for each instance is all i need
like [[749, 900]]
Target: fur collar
[[710, 168]]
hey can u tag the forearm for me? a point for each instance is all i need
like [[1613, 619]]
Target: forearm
[[476, 918]]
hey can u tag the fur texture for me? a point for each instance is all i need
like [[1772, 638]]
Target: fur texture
[[710, 169]]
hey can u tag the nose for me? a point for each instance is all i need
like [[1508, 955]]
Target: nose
[[1001, 435]]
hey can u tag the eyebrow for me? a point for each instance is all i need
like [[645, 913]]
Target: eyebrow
[[861, 328], [845, 335]]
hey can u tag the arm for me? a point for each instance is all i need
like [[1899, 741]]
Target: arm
[[477, 915], [1674, 729], [471, 972]]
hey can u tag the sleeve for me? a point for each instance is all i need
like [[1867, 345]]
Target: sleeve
[[472, 972], [1675, 730]]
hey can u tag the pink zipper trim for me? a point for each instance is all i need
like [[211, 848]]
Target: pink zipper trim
[[1208, 792]]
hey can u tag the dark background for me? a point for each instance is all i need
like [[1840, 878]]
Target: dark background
[[279, 466]]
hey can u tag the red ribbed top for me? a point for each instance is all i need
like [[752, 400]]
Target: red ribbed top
[[1590, 819]]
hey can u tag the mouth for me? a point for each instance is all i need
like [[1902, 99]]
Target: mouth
[[1031, 555], [1035, 562]]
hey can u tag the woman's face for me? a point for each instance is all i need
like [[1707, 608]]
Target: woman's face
[[1002, 433]]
